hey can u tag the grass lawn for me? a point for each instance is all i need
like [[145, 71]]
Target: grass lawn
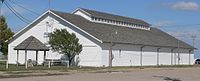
[[64, 68], [45, 68]]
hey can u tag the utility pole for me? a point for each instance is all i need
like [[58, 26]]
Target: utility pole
[[193, 44], [49, 3], [111, 48], [178, 50], [193, 39]]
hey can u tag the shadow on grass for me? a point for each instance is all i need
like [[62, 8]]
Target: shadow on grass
[[167, 78]]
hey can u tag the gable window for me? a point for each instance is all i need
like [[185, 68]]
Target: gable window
[[103, 20], [121, 23], [92, 18]]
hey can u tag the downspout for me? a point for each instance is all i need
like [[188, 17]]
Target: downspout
[[141, 50], [158, 51], [172, 51]]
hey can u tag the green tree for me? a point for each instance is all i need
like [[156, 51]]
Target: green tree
[[65, 43], [5, 34]]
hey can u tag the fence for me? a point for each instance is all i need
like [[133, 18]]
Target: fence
[[54, 62], [47, 62], [4, 64]]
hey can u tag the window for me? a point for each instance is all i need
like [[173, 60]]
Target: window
[[108, 21], [114, 22], [117, 22], [103, 20], [92, 18], [132, 24], [95, 19], [98, 19], [121, 23]]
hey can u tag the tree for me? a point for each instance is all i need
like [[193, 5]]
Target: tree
[[65, 43], [5, 34]]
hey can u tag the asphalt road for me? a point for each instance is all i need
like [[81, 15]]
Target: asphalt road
[[150, 74]]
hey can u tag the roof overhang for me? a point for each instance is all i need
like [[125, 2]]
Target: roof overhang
[[76, 27], [143, 45], [50, 12]]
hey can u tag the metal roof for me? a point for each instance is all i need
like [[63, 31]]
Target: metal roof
[[31, 43], [125, 35]]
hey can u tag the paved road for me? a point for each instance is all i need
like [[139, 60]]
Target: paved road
[[180, 74]]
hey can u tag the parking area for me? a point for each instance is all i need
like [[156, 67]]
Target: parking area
[[135, 74]]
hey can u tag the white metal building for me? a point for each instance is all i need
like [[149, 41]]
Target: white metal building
[[132, 41]]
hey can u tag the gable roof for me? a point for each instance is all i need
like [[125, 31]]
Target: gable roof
[[28, 27], [125, 35], [31, 43], [98, 14]]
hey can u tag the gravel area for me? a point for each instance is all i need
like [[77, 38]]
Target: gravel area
[[147, 74]]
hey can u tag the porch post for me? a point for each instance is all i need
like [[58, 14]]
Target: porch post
[[17, 57], [26, 65], [44, 55], [158, 50], [37, 58]]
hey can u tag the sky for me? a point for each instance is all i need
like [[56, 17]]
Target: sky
[[179, 18]]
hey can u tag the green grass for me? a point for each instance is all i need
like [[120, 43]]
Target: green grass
[[22, 68], [64, 68], [35, 68]]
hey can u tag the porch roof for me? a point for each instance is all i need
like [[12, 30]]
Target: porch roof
[[32, 43]]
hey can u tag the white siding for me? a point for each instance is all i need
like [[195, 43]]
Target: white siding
[[130, 56], [96, 54], [90, 56], [38, 32], [149, 58]]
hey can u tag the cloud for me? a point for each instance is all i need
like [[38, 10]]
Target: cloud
[[191, 6]]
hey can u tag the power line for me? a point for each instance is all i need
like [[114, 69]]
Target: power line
[[24, 7], [49, 4], [193, 39], [16, 13], [2, 1]]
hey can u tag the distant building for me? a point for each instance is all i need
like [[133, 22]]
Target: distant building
[[132, 41]]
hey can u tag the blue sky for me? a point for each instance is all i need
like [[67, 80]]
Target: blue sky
[[180, 18]]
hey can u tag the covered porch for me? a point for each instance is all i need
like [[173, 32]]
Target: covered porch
[[31, 44]]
